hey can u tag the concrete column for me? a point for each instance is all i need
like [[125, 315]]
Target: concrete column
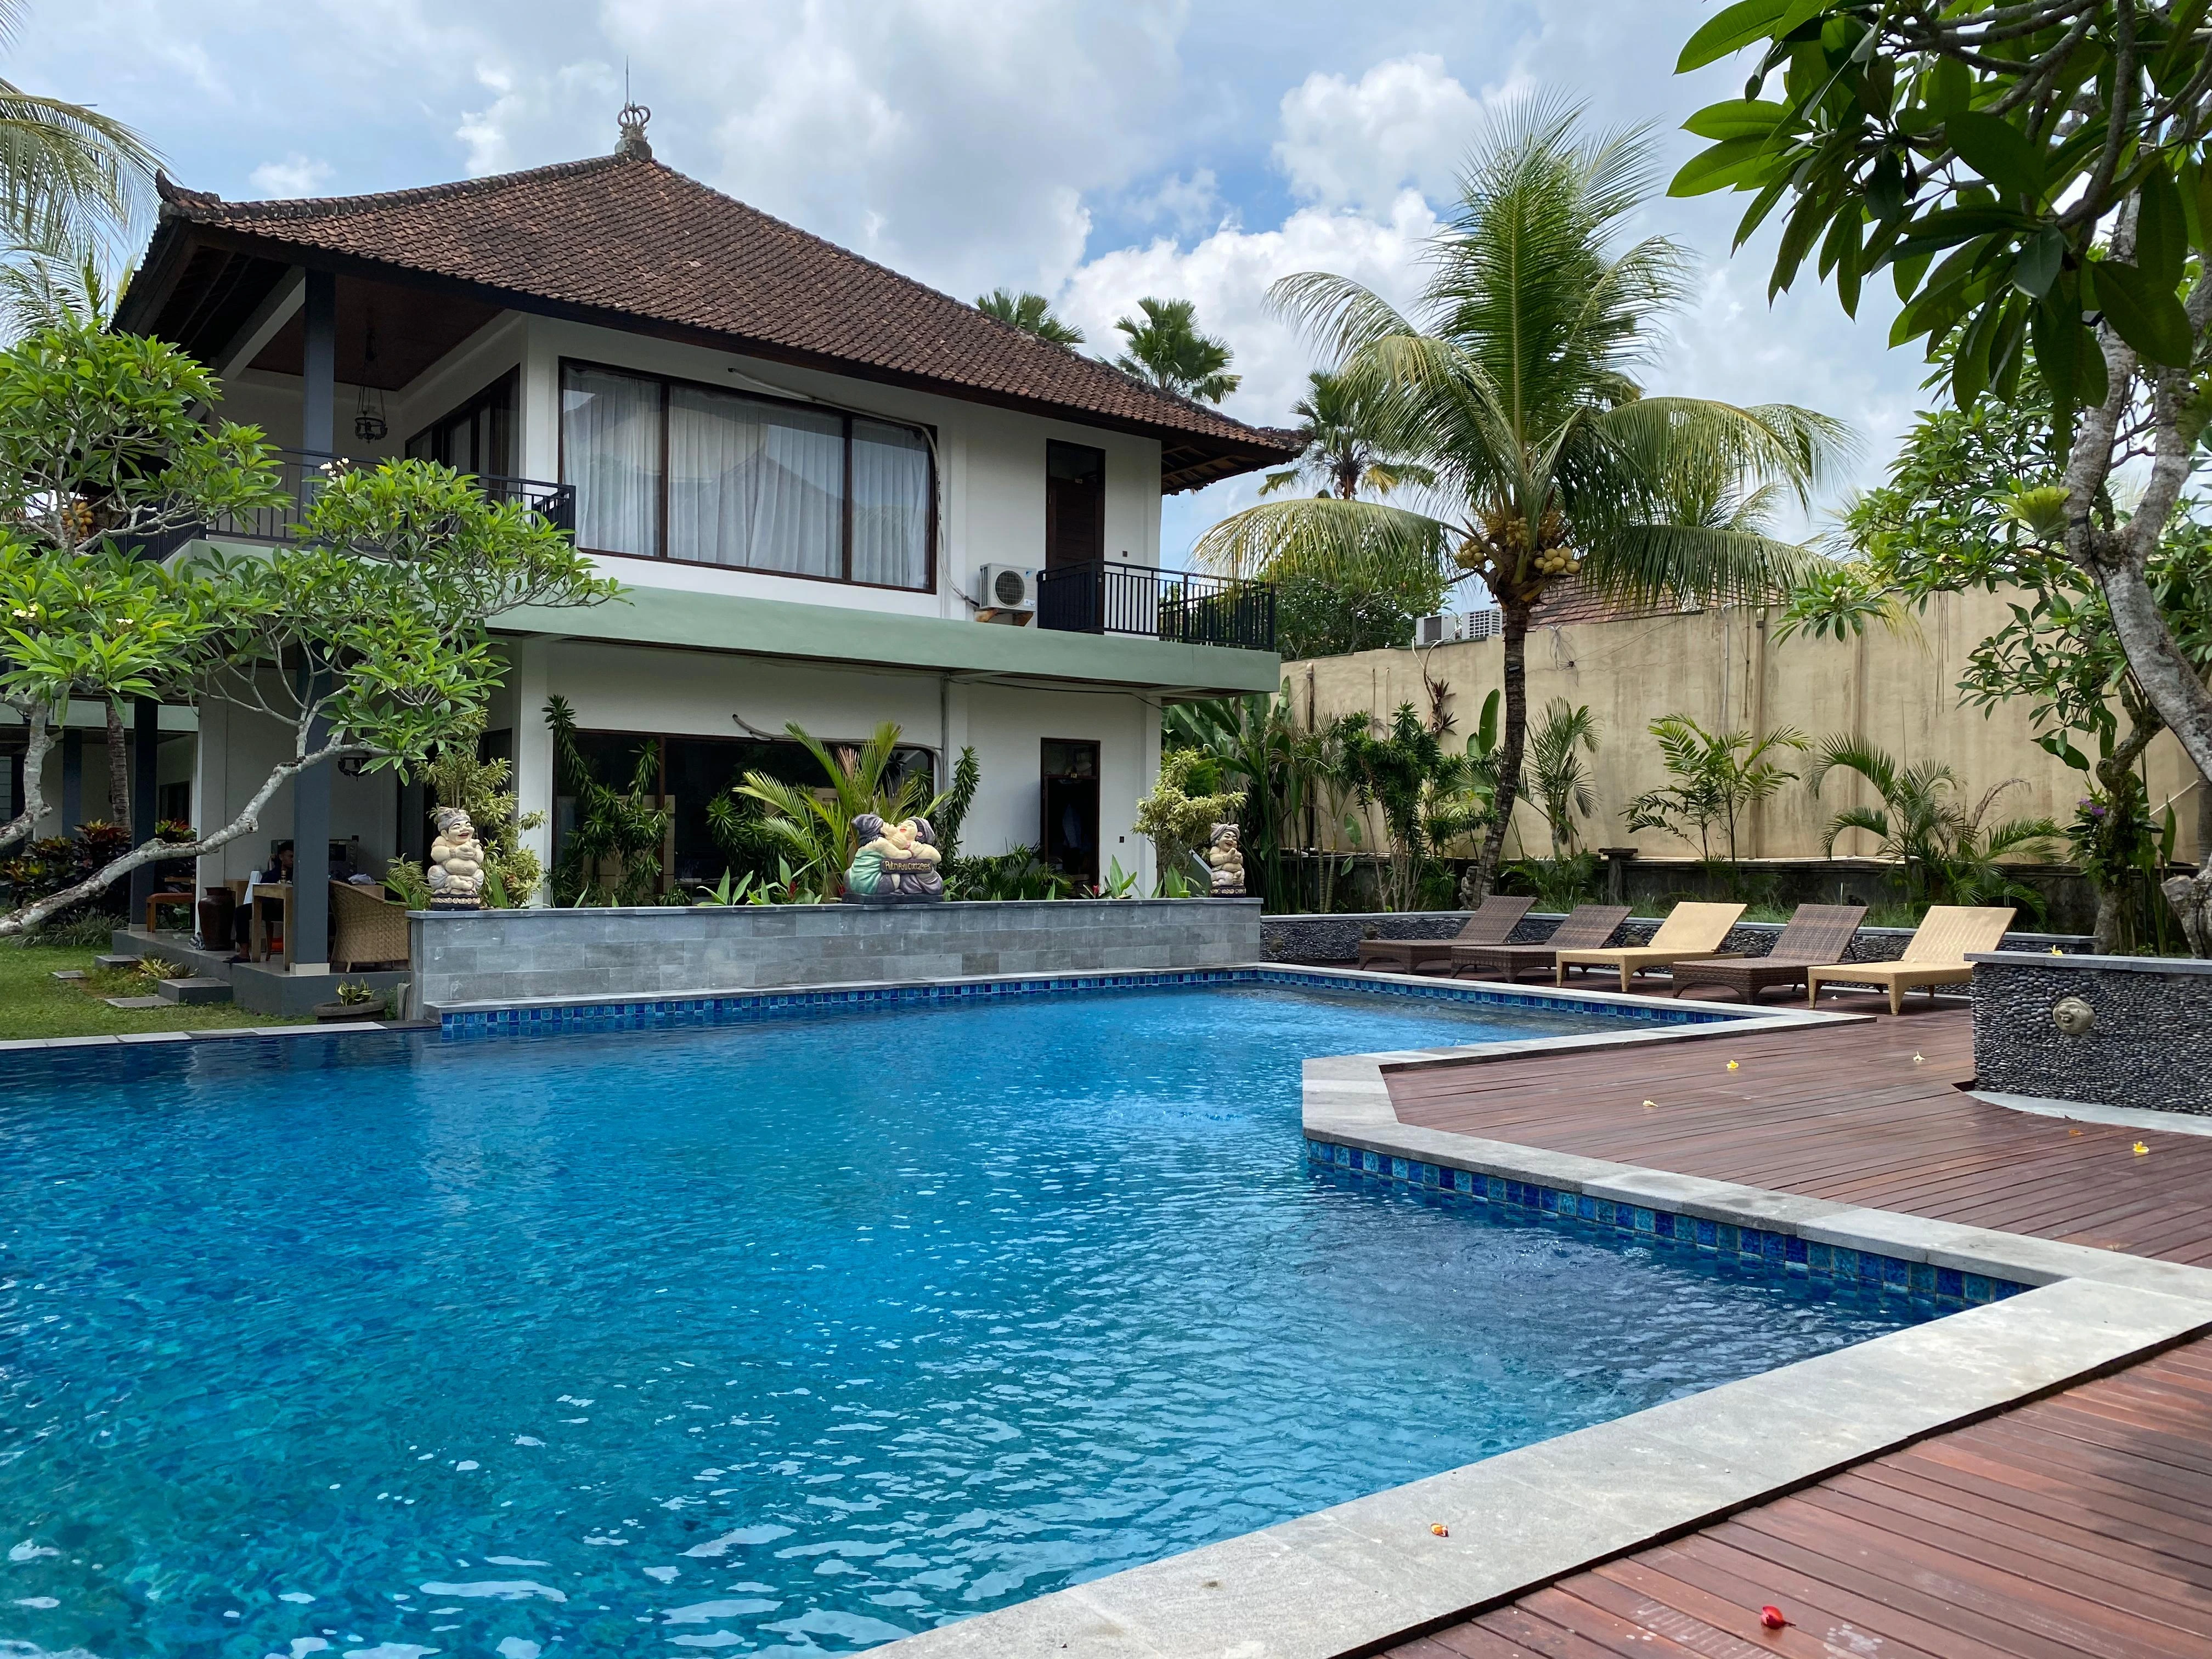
[[531, 677], [72, 779], [307, 917], [319, 379], [16, 783], [145, 784], [1149, 719]]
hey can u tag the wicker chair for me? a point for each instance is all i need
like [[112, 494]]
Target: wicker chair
[[1935, 955], [371, 932], [1817, 934], [1492, 923], [1588, 925]]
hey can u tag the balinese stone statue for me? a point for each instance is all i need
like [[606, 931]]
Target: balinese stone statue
[[894, 861], [457, 863], [1225, 857]]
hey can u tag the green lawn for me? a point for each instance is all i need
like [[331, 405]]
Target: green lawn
[[34, 1003]]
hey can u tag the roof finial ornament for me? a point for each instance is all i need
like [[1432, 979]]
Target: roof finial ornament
[[632, 145]]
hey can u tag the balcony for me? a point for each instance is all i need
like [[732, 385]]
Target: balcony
[[301, 473], [1105, 598]]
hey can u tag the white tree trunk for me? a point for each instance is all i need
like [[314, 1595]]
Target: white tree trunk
[[24, 826]]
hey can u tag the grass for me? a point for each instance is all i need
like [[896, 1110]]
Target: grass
[[34, 1003]]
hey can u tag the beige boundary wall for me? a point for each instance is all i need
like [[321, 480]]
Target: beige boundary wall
[[1720, 667]]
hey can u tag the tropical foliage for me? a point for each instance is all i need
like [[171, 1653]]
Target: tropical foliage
[[1950, 851], [1558, 780], [2033, 179], [1166, 349], [612, 854], [456, 775], [1514, 383], [1191, 796], [1718, 777], [1427, 794], [1030, 312], [1346, 450], [815, 826], [366, 639]]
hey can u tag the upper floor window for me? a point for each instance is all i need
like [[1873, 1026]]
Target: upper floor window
[[666, 469], [478, 437], [1074, 504]]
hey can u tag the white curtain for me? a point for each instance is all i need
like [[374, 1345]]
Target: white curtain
[[755, 485], [611, 451], [891, 505]]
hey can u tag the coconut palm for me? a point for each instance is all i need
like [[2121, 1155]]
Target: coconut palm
[[1345, 453], [69, 177], [1167, 350], [1030, 312], [1513, 382]]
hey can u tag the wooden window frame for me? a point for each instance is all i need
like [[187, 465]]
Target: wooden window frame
[[847, 416]]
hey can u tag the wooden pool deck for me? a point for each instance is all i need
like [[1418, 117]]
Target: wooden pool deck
[[1860, 1114], [2078, 1525]]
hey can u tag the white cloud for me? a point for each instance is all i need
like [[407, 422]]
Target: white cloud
[[1404, 123], [296, 175]]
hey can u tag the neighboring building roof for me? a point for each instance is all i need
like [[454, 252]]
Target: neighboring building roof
[[1567, 603], [624, 241]]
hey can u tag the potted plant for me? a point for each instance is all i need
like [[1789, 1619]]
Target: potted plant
[[355, 1000]]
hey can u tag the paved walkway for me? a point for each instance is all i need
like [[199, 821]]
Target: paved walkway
[[1862, 1114], [2080, 1525]]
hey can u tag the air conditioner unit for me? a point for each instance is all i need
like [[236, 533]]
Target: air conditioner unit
[[1439, 630], [1007, 594]]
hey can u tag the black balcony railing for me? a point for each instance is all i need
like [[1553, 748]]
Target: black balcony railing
[[302, 473], [1105, 598]]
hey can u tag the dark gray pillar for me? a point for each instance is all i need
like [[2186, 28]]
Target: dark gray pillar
[[145, 784], [319, 387], [16, 789], [72, 779]]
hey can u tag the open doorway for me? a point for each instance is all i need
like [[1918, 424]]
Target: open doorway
[[1074, 505], [1068, 838]]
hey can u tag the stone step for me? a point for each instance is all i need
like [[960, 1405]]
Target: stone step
[[115, 961], [132, 1002], [69, 975], [194, 990]]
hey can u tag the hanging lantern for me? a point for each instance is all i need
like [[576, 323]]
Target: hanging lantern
[[368, 423]]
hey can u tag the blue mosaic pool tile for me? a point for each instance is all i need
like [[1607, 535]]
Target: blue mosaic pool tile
[[1768, 1250]]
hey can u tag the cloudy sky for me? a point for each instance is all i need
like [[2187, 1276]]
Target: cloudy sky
[[1096, 150]]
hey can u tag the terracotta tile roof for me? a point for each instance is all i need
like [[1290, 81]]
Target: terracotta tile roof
[[629, 238], [1567, 603]]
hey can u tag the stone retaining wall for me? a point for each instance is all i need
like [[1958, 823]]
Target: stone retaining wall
[[511, 956], [1324, 939], [2144, 1045]]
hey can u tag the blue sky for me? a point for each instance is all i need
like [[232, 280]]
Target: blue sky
[[1095, 151]]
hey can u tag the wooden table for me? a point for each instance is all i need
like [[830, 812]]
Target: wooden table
[[156, 902], [280, 893]]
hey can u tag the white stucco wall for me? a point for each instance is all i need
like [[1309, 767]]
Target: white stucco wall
[[238, 748], [991, 461]]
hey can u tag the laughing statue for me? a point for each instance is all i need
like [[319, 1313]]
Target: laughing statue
[[896, 862], [1225, 857]]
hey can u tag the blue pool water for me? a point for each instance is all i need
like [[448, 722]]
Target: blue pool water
[[802, 1333]]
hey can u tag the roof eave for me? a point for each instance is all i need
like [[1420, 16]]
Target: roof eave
[[178, 232]]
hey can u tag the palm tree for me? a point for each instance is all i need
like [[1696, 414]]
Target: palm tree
[[1345, 452], [1513, 385], [1562, 792], [1167, 350], [1950, 851], [1030, 312], [69, 177]]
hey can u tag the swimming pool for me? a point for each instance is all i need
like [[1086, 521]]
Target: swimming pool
[[807, 1331]]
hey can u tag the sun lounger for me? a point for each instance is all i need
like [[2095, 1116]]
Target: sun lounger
[[1935, 954], [1817, 934], [1589, 927], [1690, 932], [1492, 923]]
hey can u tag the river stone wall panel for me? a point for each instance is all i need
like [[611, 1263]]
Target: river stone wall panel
[[508, 957], [2144, 1045]]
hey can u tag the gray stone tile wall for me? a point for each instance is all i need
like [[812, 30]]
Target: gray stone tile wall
[[2143, 1048], [519, 955]]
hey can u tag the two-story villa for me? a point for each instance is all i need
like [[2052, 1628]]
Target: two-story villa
[[797, 462]]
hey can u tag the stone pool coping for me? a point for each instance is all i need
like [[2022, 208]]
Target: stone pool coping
[[1361, 1575]]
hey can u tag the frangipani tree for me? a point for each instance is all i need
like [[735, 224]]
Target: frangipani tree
[[1514, 383], [367, 638]]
